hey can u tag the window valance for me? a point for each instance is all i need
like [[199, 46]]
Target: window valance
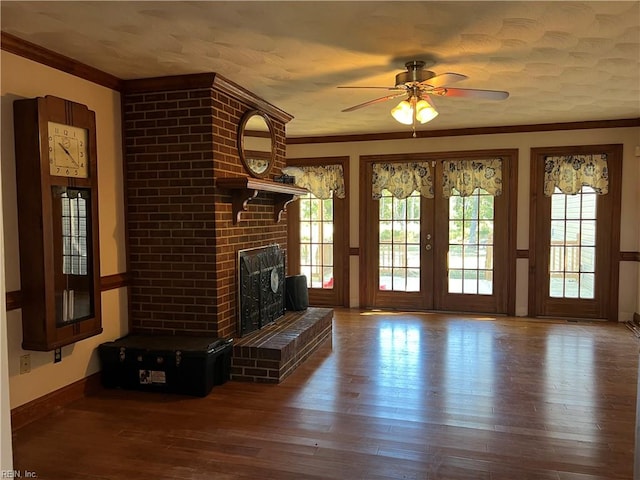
[[465, 176], [320, 180], [402, 179], [570, 172]]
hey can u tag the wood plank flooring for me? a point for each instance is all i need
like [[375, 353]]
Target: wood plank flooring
[[391, 396]]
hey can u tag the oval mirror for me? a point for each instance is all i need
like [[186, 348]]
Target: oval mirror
[[256, 143]]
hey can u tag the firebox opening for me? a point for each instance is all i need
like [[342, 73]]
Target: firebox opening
[[261, 280]]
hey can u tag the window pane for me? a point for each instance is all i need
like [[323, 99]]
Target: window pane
[[413, 232], [588, 236], [588, 259], [588, 205], [573, 206], [572, 232], [413, 280], [327, 233], [327, 210], [572, 259], [486, 207], [384, 279], [587, 285], [327, 255], [455, 256], [556, 285], [413, 208], [455, 208], [385, 232], [399, 231], [557, 231], [571, 285], [556, 259], [413, 256], [385, 208], [455, 281], [305, 232], [470, 259], [485, 282], [470, 284], [455, 232], [327, 277], [385, 255], [485, 255], [399, 279]]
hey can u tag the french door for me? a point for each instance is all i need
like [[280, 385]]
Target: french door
[[452, 254], [575, 240], [318, 240]]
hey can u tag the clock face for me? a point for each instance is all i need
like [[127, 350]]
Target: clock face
[[68, 151]]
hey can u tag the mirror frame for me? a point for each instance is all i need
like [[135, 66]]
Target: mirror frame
[[241, 136]]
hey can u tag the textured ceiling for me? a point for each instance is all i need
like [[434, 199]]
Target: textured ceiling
[[560, 61]]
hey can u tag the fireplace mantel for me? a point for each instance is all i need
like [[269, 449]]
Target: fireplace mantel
[[244, 189]]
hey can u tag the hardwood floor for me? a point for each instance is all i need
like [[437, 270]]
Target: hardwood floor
[[392, 396]]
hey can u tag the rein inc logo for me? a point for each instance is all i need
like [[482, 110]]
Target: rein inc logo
[[18, 474]]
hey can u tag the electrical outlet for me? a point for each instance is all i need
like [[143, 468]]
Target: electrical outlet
[[25, 364]]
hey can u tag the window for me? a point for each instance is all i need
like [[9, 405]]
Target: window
[[399, 243], [316, 241], [470, 257]]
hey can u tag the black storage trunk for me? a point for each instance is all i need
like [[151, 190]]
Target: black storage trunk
[[176, 364]]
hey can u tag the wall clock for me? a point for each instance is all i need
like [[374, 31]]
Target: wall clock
[[56, 174]]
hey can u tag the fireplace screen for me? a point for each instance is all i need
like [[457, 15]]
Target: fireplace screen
[[261, 278]]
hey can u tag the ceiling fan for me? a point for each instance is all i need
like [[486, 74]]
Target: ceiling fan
[[418, 84]]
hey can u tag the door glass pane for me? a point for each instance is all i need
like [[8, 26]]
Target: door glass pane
[[316, 241], [470, 259], [399, 243], [572, 255]]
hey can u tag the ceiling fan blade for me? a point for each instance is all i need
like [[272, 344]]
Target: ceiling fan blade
[[444, 79], [471, 93], [377, 100]]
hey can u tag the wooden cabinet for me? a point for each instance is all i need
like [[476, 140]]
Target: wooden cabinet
[[57, 190]]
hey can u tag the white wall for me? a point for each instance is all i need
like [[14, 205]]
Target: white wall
[[630, 235], [23, 78]]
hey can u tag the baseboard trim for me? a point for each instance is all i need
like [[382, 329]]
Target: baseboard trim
[[43, 406]]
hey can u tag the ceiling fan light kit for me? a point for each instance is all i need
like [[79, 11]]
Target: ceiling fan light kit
[[423, 108], [417, 84]]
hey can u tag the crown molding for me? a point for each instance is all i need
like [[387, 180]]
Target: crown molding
[[31, 51], [541, 127]]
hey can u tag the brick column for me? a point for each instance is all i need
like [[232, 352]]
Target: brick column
[[180, 133]]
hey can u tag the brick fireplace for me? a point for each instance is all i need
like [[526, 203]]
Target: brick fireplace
[[180, 135]]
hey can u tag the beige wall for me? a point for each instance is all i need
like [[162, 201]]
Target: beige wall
[[22, 78], [630, 234]]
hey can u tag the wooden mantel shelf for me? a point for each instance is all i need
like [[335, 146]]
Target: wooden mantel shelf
[[244, 189]]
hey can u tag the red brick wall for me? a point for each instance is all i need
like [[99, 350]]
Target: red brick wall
[[182, 241]]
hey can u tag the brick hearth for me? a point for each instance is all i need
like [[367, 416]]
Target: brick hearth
[[269, 355]]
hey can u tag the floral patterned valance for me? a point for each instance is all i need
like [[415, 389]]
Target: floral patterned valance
[[320, 180], [465, 176], [402, 179], [570, 172]]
